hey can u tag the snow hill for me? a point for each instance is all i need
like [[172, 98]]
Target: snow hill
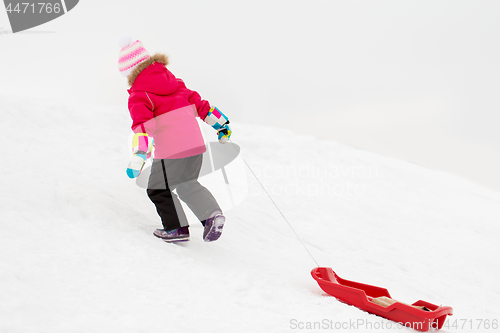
[[77, 252]]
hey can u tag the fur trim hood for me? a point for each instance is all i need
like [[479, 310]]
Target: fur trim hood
[[158, 57]]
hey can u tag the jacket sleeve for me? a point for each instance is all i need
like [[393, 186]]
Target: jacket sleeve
[[202, 106], [141, 108]]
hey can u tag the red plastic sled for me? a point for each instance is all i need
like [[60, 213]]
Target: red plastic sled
[[360, 295]]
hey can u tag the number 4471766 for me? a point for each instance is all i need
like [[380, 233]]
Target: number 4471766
[[472, 324], [40, 7]]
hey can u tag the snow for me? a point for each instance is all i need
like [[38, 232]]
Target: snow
[[77, 252]]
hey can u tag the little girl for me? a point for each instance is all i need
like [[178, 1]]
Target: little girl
[[164, 111]]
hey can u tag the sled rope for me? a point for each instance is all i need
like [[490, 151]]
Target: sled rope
[[279, 210]]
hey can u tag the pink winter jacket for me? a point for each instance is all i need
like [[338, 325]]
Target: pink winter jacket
[[161, 106]]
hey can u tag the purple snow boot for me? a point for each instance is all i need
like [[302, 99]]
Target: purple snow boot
[[213, 226], [170, 236]]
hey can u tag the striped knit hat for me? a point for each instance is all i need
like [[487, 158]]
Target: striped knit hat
[[131, 54]]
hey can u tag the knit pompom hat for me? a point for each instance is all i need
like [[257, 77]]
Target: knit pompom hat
[[131, 54]]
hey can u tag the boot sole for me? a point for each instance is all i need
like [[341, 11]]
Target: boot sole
[[215, 229], [177, 240], [173, 240]]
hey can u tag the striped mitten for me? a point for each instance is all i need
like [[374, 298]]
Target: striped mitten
[[142, 145], [220, 123]]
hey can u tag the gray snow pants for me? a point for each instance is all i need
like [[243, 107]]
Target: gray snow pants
[[181, 175]]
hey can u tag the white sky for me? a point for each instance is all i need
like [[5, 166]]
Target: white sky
[[417, 80]]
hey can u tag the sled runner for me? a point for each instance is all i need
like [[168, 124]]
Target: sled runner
[[420, 315]]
